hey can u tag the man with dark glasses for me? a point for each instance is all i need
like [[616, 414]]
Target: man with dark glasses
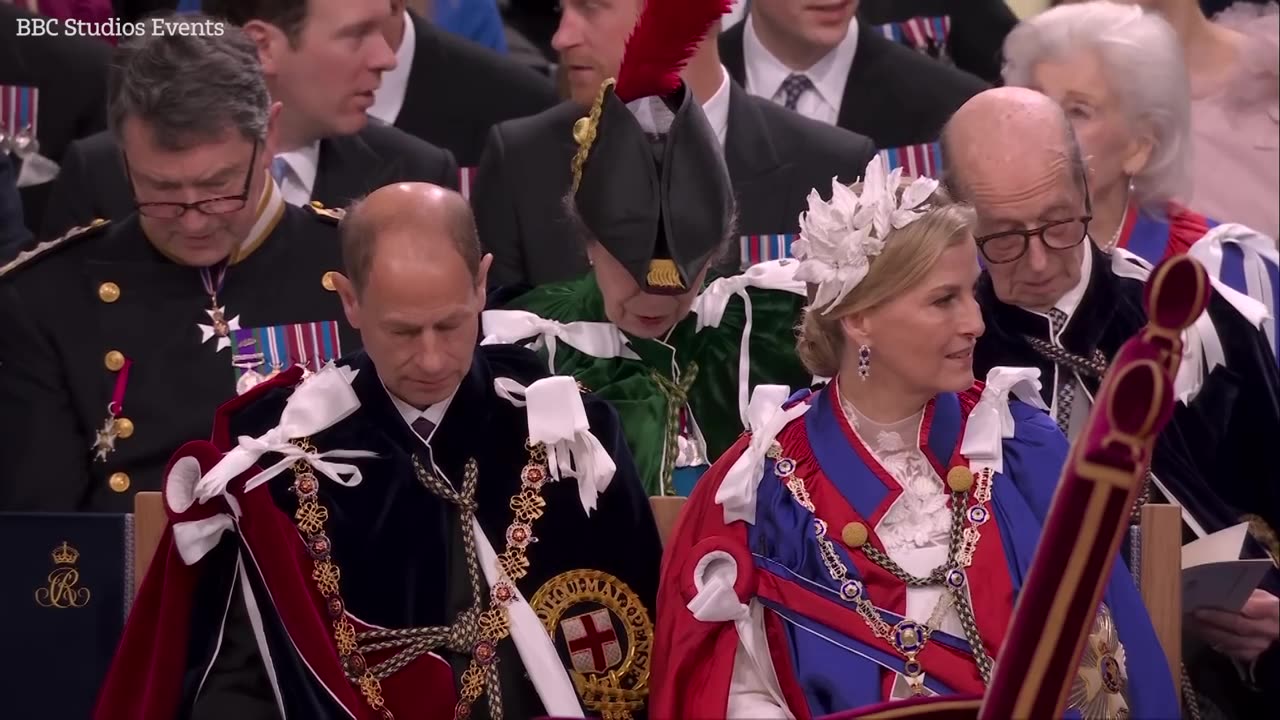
[[1053, 300], [118, 341]]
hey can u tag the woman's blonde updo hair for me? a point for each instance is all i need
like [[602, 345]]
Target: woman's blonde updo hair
[[909, 255]]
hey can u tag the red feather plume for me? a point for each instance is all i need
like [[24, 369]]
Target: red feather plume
[[666, 36]]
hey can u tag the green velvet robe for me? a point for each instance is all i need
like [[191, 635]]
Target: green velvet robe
[[641, 389]]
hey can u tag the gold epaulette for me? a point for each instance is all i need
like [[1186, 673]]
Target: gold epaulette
[[332, 215], [44, 248]]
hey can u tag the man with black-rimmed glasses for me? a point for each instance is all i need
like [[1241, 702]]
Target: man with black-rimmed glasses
[[119, 340], [1053, 300]]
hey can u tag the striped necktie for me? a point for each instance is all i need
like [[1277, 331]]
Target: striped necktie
[[1066, 379]]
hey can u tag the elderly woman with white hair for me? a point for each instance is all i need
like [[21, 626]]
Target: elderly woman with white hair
[[1118, 73]]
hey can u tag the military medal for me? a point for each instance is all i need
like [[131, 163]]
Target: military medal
[[24, 143], [248, 362], [220, 326], [105, 443], [114, 426]]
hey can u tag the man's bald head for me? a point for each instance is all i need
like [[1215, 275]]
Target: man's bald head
[[1007, 131], [1011, 154], [407, 218]]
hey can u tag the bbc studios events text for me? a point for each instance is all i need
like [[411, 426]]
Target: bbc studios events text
[[115, 28]]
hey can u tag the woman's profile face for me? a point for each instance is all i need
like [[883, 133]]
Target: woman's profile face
[[922, 340], [1112, 149], [634, 311]]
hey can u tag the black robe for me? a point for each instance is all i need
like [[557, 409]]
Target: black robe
[[1216, 456], [400, 553]]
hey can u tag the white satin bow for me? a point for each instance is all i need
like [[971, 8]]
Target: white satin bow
[[321, 401], [558, 420], [711, 304], [990, 421], [713, 577], [765, 418], [601, 340]]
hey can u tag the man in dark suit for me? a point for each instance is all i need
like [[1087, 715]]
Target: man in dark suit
[[450, 91], [323, 60], [64, 80], [775, 157], [826, 65]]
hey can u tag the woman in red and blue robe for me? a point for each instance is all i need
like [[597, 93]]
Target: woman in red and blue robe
[[753, 622]]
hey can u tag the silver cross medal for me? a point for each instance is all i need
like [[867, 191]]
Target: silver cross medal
[[221, 327], [105, 443]]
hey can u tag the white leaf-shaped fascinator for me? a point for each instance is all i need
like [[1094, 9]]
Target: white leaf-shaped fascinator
[[839, 237]]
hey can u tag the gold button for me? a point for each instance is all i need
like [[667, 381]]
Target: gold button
[[854, 534], [114, 360], [124, 427], [959, 479], [118, 482], [317, 204], [97, 221], [580, 128], [108, 292], [326, 281]]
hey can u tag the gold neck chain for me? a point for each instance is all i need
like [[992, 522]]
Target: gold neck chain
[[908, 637], [492, 625]]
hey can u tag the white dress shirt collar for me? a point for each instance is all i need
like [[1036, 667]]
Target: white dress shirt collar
[[765, 72], [716, 108], [654, 116], [434, 413], [388, 99], [1071, 299], [300, 180]]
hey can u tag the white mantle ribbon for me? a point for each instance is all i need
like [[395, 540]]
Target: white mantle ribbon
[[558, 420], [194, 538], [1202, 349], [321, 401], [597, 339], [1258, 252], [765, 419], [711, 304], [990, 422]]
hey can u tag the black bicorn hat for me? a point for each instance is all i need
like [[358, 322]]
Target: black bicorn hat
[[649, 178]]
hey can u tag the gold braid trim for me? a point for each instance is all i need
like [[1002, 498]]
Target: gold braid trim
[[493, 624], [584, 133], [663, 274]]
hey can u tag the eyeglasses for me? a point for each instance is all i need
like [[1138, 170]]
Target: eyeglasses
[[1009, 245], [1005, 247], [209, 206]]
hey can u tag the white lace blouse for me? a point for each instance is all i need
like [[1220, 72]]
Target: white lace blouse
[[916, 529]]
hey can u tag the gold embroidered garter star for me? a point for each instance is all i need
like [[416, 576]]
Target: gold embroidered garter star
[[838, 238]]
